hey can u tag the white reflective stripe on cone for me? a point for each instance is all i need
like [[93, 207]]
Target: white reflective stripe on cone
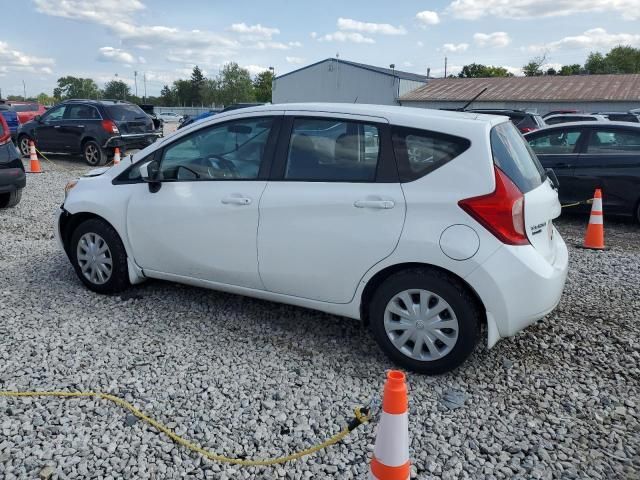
[[392, 439], [596, 219], [597, 204]]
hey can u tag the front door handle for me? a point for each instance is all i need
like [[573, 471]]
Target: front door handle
[[56, 126], [380, 204], [236, 200]]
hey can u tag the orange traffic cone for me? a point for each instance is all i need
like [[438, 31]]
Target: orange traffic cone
[[391, 454], [594, 237], [116, 156], [33, 159]]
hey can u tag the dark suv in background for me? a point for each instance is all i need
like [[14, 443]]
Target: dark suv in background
[[90, 127]]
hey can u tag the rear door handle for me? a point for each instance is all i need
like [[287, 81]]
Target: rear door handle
[[236, 201], [380, 204]]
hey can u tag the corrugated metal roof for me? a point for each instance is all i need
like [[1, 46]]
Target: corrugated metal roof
[[548, 88], [385, 71]]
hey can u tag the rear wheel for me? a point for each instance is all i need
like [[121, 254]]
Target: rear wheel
[[10, 199], [98, 257], [23, 145], [425, 320], [94, 154]]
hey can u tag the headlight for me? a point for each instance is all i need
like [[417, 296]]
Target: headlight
[[68, 187]]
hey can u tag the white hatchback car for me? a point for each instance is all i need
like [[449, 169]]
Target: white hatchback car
[[424, 224]]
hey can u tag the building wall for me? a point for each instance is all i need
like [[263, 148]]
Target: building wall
[[330, 81], [539, 107]]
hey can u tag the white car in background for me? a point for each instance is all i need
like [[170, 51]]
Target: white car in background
[[170, 117], [423, 224]]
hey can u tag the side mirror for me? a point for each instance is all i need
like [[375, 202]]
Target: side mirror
[[38, 118], [150, 173]]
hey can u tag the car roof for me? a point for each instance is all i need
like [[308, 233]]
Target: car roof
[[590, 123], [561, 115], [385, 111], [99, 102]]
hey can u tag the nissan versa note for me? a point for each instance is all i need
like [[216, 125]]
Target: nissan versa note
[[424, 224]]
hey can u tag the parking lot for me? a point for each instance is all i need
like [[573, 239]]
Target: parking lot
[[250, 378]]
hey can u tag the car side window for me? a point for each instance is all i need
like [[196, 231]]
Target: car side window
[[332, 150], [82, 112], [558, 142], [55, 113], [614, 141], [233, 150], [419, 152]]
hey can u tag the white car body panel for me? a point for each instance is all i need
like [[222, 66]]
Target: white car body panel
[[304, 243]]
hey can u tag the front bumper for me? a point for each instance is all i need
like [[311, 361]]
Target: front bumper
[[56, 228], [132, 140], [518, 286]]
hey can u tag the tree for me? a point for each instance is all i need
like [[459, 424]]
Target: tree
[[166, 96], [45, 99], [210, 92], [551, 71], [74, 87], [477, 70], [197, 80], [116, 89], [534, 67], [262, 86], [567, 70], [235, 85], [182, 92], [623, 59]]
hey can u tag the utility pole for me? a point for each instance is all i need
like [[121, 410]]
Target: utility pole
[[24, 91], [144, 79], [445, 67], [135, 79]]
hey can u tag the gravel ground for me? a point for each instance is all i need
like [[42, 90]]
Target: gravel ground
[[244, 377]]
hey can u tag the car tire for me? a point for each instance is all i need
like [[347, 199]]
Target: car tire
[[94, 154], [23, 145], [98, 257], [10, 199], [441, 308]]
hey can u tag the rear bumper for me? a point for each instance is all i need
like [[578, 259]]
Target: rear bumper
[[132, 140], [12, 179], [518, 286]]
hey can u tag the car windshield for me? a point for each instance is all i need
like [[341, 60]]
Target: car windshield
[[125, 113], [512, 155]]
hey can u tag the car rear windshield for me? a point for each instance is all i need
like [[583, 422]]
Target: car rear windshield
[[125, 113], [31, 107], [512, 155]]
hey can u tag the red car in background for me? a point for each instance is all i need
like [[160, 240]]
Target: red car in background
[[27, 110]]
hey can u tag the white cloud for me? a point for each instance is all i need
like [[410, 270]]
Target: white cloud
[[453, 48], [495, 39], [407, 64], [295, 44], [271, 46], [427, 17], [313, 35], [596, 38], [346, 37], [15, 60], [523, 9], [96, 11], [117, 55], [255, 69], [295, 60], [254, 30], [420, 44], [348, 24]]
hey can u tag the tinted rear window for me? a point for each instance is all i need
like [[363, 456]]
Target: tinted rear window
[[125, 113], [26, 108], [622, 117], [513, 156]]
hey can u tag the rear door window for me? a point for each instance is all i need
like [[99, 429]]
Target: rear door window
[[514, 157], [557, 142], [419, 152], [612, 141], [332, 150], [82, 112]]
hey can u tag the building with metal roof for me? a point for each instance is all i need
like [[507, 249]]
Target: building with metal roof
[[587, 93], [342, 81]]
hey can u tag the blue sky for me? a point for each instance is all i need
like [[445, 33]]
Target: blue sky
[[47, 39]]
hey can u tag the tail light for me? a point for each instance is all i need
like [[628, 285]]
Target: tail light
[[5, 134], [500, 212], [110, 127], [527, 129]]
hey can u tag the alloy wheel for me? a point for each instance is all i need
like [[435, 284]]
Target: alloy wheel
[[91, 154], [421, 324]]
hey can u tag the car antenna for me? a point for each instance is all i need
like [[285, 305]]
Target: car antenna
[[464, 109], [356, 100]]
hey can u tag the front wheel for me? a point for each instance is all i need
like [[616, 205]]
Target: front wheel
[[98, 257], [23, 145], [425, 320], [94, 154]]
